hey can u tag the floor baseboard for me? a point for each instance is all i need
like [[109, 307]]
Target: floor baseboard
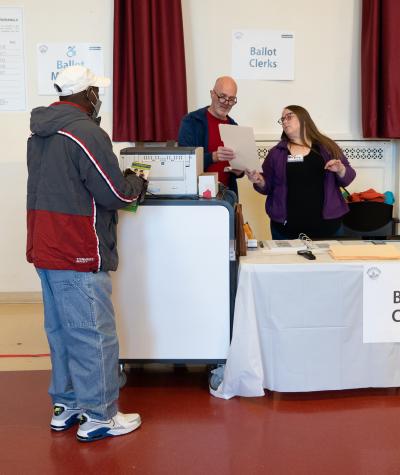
[[21, 297]]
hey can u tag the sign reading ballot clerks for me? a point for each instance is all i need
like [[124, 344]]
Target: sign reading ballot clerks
[[262, 54], [381, 302]]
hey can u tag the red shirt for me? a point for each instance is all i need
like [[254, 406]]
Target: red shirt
[[214, 141]]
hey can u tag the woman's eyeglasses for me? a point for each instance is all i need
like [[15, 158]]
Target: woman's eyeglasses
[[286, 118]]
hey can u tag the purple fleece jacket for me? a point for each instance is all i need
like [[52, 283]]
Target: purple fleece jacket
[[274, 172]]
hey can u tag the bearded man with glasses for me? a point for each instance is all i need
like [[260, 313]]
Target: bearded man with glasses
[[200, 128]]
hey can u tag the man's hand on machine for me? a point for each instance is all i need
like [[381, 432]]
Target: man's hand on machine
[[129, 172]]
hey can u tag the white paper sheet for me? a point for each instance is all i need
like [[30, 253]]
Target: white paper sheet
[[291, 246], [241, 140], [12, 65]]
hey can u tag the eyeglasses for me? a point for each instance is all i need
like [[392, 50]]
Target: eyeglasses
[[286, 118], [225, 99]]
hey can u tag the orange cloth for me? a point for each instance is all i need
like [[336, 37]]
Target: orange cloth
[[367, 195]]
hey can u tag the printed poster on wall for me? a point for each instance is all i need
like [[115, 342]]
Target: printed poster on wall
[[53, 57], [263, 54], [381, 302], [12, 64]]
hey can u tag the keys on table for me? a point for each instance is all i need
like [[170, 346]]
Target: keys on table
[[306, 254]]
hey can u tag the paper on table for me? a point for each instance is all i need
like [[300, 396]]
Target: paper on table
[[290, 246], [241, 140]]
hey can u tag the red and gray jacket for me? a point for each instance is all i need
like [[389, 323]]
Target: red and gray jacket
[[75, 187]]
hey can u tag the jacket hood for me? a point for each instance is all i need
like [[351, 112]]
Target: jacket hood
[[46, 121]]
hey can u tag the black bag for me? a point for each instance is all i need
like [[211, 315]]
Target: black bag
[[368, 216]]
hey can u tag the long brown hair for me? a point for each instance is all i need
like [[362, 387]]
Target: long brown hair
[[308, 130]]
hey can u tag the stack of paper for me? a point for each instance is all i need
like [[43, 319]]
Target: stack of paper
[[290, 246], [365, 251]]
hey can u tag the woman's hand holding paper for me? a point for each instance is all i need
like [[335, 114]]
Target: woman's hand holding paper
[[255, 177]]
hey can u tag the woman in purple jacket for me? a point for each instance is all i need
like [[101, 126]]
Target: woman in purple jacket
[[301, 177]]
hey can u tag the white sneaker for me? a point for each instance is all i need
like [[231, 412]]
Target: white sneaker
[[64, 417], [93, 429]]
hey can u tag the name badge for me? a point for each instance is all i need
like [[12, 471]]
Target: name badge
[[295, 158]]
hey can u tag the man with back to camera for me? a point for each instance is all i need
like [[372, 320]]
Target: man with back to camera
[[200, 128], [75, 187]]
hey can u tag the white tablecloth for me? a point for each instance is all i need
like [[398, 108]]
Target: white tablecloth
[[298, 327]]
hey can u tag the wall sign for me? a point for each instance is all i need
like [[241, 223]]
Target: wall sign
[[53, 57], [381, 302], [262, 54]]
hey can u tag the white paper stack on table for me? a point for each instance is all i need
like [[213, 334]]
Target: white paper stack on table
[[291, 246]]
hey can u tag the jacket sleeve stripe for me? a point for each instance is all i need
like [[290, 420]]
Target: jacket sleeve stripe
[[95, 233], [98, 167]]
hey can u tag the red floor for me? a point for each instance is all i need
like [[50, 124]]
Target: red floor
[[187, 431]]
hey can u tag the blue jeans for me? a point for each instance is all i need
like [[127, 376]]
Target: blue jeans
[[80, 325]]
